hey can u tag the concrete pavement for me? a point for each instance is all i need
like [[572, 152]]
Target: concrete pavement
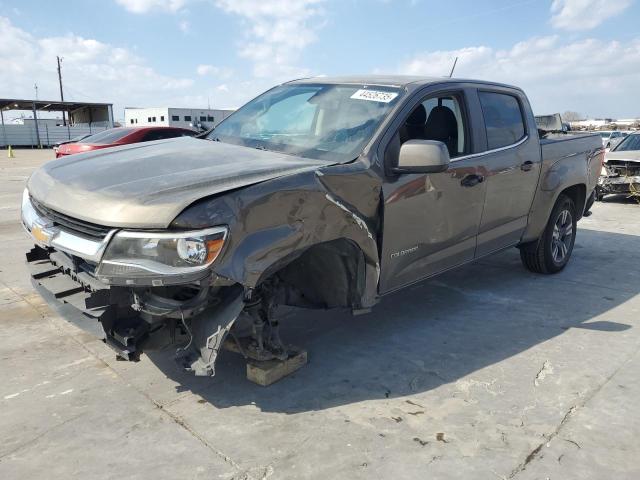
[[485, 372]]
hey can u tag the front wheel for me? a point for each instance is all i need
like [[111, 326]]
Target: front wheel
[[552, 251]]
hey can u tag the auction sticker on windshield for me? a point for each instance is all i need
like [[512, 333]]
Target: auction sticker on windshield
[[374, 95]]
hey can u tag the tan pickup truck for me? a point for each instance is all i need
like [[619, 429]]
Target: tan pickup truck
[[320, 193]]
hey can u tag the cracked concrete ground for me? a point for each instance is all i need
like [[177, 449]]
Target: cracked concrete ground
[[485, 372]]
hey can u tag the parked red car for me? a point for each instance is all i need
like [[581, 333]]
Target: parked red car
[[122, 136]]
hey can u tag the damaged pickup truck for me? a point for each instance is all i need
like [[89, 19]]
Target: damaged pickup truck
[[320, 193]]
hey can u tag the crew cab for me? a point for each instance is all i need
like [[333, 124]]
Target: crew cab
[[319, 193]]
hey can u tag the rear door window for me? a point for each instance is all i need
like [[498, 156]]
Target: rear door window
[[108, 136], [165, 133], [503, 119], [153, 135]]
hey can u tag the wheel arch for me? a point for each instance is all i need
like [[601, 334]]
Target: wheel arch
[[329, 274], [577, 193]]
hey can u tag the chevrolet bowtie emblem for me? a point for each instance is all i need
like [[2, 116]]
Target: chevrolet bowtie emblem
[[42, 233]]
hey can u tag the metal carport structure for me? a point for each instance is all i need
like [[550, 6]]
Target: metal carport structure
[[82, 118]]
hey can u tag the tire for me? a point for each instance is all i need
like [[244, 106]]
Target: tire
[[552, 251]]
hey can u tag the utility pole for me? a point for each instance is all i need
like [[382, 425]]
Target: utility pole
[[64, 121], [35, 86]]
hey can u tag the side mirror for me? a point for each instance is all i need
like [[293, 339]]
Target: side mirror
[[422, 156]]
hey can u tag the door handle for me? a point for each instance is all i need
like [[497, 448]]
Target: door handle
[[526, 166], [471, 180]]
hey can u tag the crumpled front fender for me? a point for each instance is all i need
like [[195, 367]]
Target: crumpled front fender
[[273, 223]]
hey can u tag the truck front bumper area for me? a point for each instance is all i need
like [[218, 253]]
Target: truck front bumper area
[[131, 320], [618, 184], [77, 296]]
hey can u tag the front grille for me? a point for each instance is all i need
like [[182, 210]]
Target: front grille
[[624, 168], [70, 224]]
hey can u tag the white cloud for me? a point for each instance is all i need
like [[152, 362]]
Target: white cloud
[[91, 70], [212, 71], [144, 6], [584, 14], [278, 32], [590, 74], [184, 26]]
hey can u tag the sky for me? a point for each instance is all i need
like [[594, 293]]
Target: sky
[[578, 55]]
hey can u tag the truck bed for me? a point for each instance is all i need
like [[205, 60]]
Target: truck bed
[[582, 149], [556, 146]]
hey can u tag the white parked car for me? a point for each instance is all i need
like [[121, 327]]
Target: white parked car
[[612, 138]]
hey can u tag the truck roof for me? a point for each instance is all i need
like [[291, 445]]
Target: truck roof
[[393, 80]]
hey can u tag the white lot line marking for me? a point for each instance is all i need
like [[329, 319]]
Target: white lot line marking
[[66, 392], [73, 364], [14, 395]]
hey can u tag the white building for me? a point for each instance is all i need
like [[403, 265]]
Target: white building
[[596, 123], [174, 117], [626, 122], [591, 123]]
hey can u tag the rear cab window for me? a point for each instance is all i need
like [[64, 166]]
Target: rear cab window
[[503, 119]]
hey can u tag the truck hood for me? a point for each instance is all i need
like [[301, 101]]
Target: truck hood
[[629, 156], [147, 185]]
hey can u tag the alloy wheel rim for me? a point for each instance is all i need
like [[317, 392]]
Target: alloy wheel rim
[[562, 236]]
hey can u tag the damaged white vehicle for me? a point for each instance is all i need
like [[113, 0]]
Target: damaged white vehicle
[[621, 169]]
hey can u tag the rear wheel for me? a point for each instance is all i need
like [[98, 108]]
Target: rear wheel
[[552, 251]]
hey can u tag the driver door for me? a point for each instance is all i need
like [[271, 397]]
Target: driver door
[[431, 221]]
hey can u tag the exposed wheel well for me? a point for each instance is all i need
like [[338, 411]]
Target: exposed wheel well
[[326, 275], [577, 193]]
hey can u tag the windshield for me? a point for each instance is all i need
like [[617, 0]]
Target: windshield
[[108, 136], [315, 121], [631, 142]]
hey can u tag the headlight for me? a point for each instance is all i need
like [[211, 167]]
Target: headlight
[[604, 172], [148, 254]]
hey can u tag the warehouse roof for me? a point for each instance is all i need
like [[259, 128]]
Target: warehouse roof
[[46, 105]]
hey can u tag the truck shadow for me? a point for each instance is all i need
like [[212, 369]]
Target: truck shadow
[[435, 332], [624, 199]]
